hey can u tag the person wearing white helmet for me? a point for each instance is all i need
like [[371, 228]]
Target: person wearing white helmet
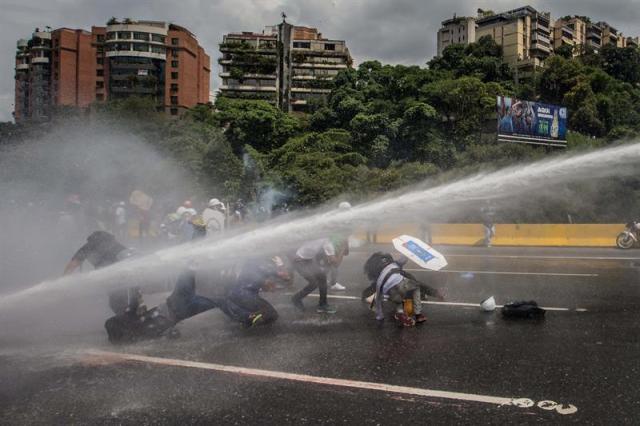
[[214, 216]]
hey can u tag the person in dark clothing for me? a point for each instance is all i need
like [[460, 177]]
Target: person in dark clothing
[[101, 250], [184, 302], [244, 303]]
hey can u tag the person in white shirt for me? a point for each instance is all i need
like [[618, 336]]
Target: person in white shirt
[[214, 216], [312, 261]]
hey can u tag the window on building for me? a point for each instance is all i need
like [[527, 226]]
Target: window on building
[[174, 53], [301, 45], [174, 75], [100, 60], [158, 38], [141, 36], [140, 47], [111, 36], [124, 34], [99, 97], [99, 84], [174, 41], [100, 73], [174, 100], [100, 38], [329, 46], [174, 87], [174, 111], [174, 64], [158, 49]]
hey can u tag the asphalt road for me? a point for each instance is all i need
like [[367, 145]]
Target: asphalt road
[[580, 365]]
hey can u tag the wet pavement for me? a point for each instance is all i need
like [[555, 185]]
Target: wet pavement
[[580, 365]]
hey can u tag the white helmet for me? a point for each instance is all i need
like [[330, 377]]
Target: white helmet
[[345, 205], [214, 202], [488, 304], [181, 210]]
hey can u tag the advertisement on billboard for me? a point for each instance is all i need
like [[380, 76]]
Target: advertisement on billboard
[[531, 122]]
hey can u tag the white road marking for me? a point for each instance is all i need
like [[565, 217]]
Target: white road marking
[[405, 390], [550, 274], [463, 304], [539, 257], [508, 256]]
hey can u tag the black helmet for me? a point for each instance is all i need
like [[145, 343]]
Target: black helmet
[[376, 263]]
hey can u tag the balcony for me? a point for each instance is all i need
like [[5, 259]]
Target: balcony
[[320, 65], [250, 75], [22, 44], [22, 67], [40, 60], [310, 90], [142, 90], [246, 88]]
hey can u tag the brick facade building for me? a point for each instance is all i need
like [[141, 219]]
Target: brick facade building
[[71, 67]]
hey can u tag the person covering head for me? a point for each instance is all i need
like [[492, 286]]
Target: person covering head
[[101, 249], [214, 203]]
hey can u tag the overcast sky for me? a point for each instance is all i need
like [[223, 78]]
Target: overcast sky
[[393, 31]]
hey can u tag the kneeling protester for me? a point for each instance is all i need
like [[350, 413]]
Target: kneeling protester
[[243, 303], [390, 280]]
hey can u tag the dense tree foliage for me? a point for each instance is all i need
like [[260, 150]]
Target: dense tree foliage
[[382, 126]]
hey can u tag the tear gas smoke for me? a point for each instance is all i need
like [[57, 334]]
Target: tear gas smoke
[[288, 231]]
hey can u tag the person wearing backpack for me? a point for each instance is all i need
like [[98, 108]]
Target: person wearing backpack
[[389, 279]]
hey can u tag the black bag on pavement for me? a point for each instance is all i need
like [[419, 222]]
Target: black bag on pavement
[[523, 309]]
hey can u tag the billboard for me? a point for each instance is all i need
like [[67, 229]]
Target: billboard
[[531, 122]]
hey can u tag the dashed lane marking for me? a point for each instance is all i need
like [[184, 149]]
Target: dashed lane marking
[[106, 356], [549, 274], [462, 304]]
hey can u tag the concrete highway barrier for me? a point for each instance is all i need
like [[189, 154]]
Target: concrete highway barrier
[[506, 234]]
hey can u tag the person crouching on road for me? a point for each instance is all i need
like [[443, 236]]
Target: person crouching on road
[[313, 261], [389, 279], [101, 250], [244, 303]]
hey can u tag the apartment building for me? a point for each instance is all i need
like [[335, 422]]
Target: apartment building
[[287, 65], [73, 67], [457, 30], [523, 33], [611, 35], [580, 33]]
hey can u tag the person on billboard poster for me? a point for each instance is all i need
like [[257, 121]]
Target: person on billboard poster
[[505, 124]]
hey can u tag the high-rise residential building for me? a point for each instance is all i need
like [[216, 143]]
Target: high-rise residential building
[[611, 35], [523, 33], [633, 42], [289, 66], [457, 30], [571, 31], [71, 67]]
